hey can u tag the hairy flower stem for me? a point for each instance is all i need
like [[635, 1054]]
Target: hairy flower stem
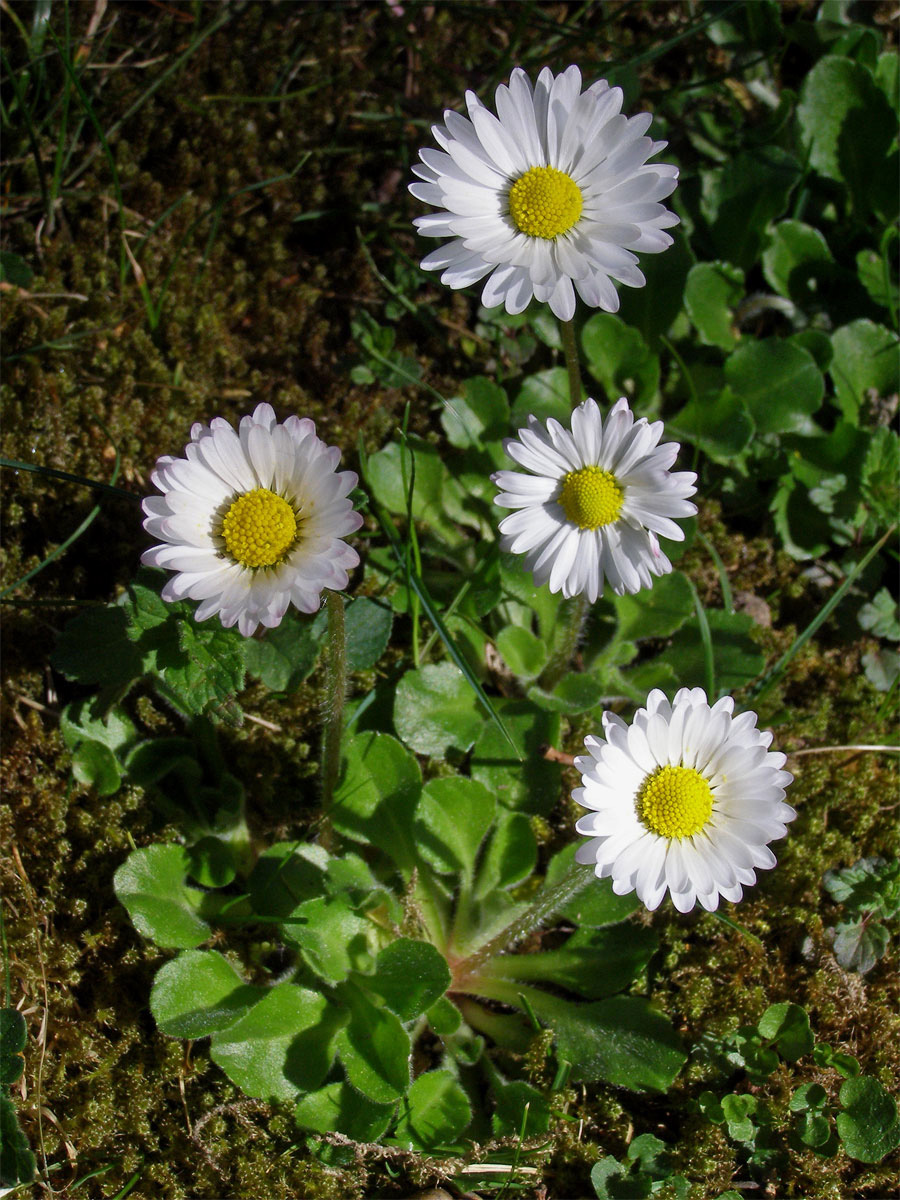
[[570, 349], [335, 693], [572, 616], [548, 902]]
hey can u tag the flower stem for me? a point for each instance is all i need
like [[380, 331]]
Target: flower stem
[[570, 349], [547, 903], [335, 693], [572, 617]]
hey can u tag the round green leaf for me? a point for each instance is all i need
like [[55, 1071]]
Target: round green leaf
[[212, 862], [332, 937], [96, 766], [435, 710], [339, 1108], [787, 1025], [286, 655], [711, 294], [437, 1111], [523, 653], [719, 424], [793, 260], [410, 976], [866, 357], [778, 381], [543, 395], [868, 1127], [374, 1048], [151, 885], [453, 816], [444, 1017], [199, 992], [368, 631], [657, 611], [281, 1046], [479, 415], [619, 359]]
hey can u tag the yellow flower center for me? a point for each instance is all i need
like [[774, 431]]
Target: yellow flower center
[[591, 497], [259, 529], [674, 802], [544, 202]]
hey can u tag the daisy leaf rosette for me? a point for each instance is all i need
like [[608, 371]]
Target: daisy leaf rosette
[[684, 800], [551, 196], [595, 501], [252, 521]]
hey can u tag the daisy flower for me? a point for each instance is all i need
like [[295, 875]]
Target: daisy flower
[[551, 196], [595, 501], [252, 521], [685, 799]]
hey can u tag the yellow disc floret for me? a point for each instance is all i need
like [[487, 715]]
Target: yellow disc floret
[[591, 497], [544, 202], [259, 529], [674, 802]]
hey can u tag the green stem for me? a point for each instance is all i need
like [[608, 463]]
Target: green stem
[[335, 694], [547, 904], [574, 614], [570, 349], [751, 937]]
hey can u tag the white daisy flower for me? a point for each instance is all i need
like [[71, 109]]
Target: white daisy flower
[[685, 799], [595, 502], [551, 196], [252, 521]]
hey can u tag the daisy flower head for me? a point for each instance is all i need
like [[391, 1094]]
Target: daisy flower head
[[551, 196], [252, 521], [595, 501], [684, 800]]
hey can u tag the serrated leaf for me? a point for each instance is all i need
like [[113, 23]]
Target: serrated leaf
[[198, 993], [858, 945], [779, 383], [435, 710], [868, 1127], [452, 818], [711, 294], [435, 1112], [410, 976], [283, 1044], [151, 885], [879, 616], [374, 1048], [339, 1108]]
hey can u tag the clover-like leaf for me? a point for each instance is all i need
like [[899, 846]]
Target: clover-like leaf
[[868, 1127]]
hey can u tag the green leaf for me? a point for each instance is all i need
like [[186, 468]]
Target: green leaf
[[444, 1017], [435, 710], [574, 693], [283, 1045], [739, 1111], [654, 308], [596, 904], [655, 612], [151, 885], [882, 668], [880, 485], [198, 993], [390, 480], [846, 125], [368, 631], [16, 1160], [543, 395], [410, 976], [285, 874], [207, 672], [874, 273], [479, 415], [374, 1048], [520, 1110], [719, 425], [529, 782], [859, 945], [14, 270], [868, 1127], [94, 649], [826, 1056], [866, 359], [96, 766], [332, 938], [212, 862], [737, 657], [741, 198], [879, 616], [621, 1039], [793, 262], [523, 653], [870, 886], [620, 360], [377, 795], [779, 383], [452, 818], [339, 1108], [510, 856], [13, 1035], [787, 1025], [608, 1173], [623, 950], [435, 1113], [286, 655], [711, 294]]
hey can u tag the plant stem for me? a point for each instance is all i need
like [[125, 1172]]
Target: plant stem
[[335, 693], [548, 902], [570, 349], [574, 615]]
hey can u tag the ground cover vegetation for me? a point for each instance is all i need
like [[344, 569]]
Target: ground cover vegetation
[[290, 898]]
